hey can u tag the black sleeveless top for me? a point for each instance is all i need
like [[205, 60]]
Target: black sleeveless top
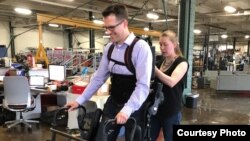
[[172, 96]]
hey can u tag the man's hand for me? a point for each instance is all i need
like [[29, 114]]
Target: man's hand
[[73, 105], [121, 118]]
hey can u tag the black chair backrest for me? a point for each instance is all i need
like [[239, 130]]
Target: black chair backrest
[[88, 120]]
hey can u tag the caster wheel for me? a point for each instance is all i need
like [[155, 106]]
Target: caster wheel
[[30, 130], [8, 130], [5, 126], [38, 126], [22, 125]]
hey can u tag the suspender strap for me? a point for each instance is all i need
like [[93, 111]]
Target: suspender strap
[[111, 48], [127, 56]]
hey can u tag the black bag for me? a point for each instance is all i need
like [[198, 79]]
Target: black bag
[[58, 117], [6, 115], [88, 123]]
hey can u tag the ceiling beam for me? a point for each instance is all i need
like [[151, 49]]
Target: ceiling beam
[[76, 22]]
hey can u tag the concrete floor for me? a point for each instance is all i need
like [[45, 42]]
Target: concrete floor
[[212, 108], [219, 108]]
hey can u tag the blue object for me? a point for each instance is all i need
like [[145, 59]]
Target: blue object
[[16, 65], [21, 72], [19, 68], [84, 71]]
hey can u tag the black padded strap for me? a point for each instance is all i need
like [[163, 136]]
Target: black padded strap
[[118, 62], [111, 48], [127, 56]]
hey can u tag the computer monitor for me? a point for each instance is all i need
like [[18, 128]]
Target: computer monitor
[[36, 81], [57, 72]]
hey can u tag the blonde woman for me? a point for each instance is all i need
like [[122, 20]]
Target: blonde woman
[[171, 72]]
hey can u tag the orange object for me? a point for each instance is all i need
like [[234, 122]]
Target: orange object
[[75, 89]]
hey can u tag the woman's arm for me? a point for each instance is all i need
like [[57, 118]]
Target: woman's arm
[[176, 76]]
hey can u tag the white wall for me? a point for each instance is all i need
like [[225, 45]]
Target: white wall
[[83, 38], [51, 39]]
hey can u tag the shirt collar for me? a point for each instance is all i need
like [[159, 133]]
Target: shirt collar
[[130, 39]]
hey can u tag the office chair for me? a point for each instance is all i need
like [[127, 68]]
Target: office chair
[[17, 98]]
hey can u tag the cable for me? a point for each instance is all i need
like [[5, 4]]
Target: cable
[[69, 11], [132, 18], [13, 37]]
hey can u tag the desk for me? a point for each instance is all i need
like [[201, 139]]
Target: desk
[[72, 118], [37, 111], [63, 97]]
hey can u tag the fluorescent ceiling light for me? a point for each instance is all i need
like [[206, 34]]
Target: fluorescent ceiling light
[[146, 29], [152, 15], [224, 36], [247, 12], [23, 11], [246, 36], [229, 9], [240, 13], [68, 0], [96, 21], [197, 31], [53, 25]]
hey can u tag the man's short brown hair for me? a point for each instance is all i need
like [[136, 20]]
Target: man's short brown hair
[[119, 10]]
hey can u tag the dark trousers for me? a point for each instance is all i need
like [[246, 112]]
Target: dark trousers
[[166, 125], [109, 112]]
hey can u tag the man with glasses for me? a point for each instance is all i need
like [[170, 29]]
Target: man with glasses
[[128, 89]]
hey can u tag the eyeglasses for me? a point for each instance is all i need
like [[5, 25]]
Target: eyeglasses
[[112, 27]]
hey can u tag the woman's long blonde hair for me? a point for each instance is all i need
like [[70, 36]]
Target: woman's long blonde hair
[[173, 38]]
